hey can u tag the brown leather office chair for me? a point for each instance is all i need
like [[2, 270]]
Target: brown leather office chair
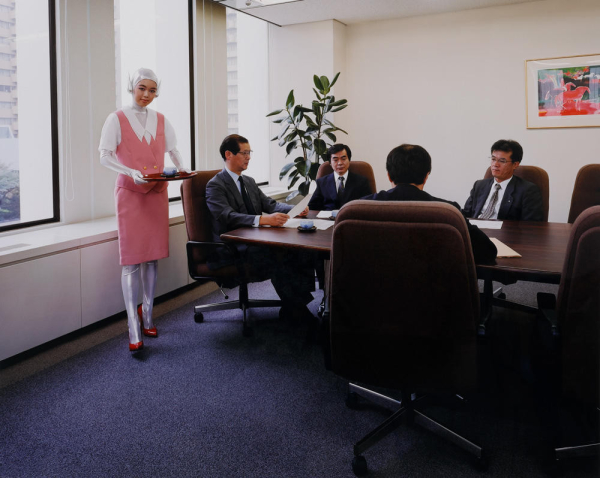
[[357, 167], [586, 192], [576, 322], [537, 176], [412, 326], [200, 245]]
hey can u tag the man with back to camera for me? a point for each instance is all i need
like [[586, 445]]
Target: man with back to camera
[[336, 189], [511, 197], [408, 167], [234, 201]]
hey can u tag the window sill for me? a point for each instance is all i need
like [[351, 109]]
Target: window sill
[[32, 244]]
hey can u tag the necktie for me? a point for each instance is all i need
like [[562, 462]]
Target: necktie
[[489, 210], [247, 202], [341, 186]]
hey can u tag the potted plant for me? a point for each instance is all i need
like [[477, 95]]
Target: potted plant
[[309, 130]]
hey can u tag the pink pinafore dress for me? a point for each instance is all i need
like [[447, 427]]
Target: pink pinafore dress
[[142, 209]]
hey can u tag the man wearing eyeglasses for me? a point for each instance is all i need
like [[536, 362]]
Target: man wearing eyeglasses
[[235, 200], [505, 196]]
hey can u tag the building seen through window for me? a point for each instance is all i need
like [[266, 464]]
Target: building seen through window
[[27, 189]]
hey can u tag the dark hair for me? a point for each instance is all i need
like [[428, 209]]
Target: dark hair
[[232, 143], [509, 146], [408, 164], [336, 148]]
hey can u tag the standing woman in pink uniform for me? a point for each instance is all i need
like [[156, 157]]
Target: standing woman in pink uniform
[[133, 143]]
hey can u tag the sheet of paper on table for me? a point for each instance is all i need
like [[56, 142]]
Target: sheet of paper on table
[[301, 206], [326, 214], [503, 249], [483, 224], [321, 224]]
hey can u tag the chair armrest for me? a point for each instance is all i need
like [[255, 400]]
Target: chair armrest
[[206, 248]]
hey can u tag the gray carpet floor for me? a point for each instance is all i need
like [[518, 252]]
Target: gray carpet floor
[[203, 401]]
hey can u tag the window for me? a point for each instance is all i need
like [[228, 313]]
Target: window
[[247, 87], [154, 34], [28, 132]]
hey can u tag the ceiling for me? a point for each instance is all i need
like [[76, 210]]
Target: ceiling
[[355, 11]]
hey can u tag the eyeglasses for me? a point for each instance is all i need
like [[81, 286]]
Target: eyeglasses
[[246, 154], [499, 160]]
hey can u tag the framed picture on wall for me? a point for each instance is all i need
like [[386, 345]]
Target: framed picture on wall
[[563, 92]]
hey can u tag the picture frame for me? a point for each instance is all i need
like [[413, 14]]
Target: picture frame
[[563, 92]]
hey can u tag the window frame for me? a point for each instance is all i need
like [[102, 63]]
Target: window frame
[[52, 45]]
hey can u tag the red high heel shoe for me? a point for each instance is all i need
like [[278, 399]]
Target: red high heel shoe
[[147, 332], [136, 347]]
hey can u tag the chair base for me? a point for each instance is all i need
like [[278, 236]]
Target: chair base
[[242, 303], [593, 449], [404, 411]]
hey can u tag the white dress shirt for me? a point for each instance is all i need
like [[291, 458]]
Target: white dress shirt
[[337, 179], [236, 178], [501, 192]]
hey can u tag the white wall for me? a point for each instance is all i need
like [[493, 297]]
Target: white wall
[[296, 54], [455, 83]]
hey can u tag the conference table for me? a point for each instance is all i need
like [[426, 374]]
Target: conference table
[[542, 245]]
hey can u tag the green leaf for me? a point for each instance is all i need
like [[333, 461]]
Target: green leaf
[[291, 136], [340, 129], [331, 136], [285, 170], [339, 108], [283, 131], [290, 100], [275, 138], [299, 159], [292, 195], [334, 79], [320, 146], [279, 120], [290, 147], [293, 181], [325, 83], [310, 122], [318, 83], [304, 187], [339, 102], [305, 110], [317, 93], [273, 113], [314, 167], [301, 167], [327, 122]]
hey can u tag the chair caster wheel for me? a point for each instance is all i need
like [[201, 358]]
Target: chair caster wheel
[[482, 463], [352, 400], [198, 317], [359, 466], [247, 331]]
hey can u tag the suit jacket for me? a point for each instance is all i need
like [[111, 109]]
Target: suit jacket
[[227, 207], [484, 250], [522, 200], [325, 197]]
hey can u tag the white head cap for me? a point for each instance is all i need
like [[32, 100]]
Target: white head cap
[[142, 74]]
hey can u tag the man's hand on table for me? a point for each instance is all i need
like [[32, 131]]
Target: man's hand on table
[[277, 219]]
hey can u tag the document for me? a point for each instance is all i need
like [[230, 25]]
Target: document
[[503, 249], [483, 224], [301, 206], [327, 214]]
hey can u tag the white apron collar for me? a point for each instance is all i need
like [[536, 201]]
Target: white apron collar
[[151, 123]]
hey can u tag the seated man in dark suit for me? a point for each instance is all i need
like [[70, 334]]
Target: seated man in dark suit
[[408, 167], [511, 197], [341, 186], [234, 201]]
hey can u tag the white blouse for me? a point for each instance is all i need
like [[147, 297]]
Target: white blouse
[[143, 121]]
